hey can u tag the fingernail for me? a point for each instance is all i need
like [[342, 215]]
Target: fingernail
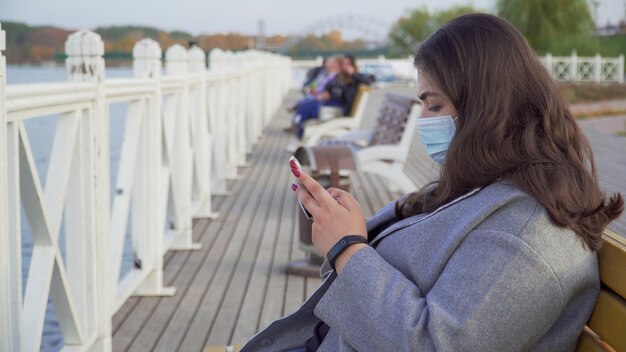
[[293, 164], [296, 172], [294, 187]]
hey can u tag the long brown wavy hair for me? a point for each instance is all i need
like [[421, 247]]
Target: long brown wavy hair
[[512, 124]]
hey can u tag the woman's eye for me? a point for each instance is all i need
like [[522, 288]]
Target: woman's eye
[[434, 108]]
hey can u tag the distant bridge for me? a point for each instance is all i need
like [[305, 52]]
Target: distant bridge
[[372, 30]]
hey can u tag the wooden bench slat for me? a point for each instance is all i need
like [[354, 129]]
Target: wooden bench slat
[[608, 319], [589, 341], [612, 261], [357, 99]]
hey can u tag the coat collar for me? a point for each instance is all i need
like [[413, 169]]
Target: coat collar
[[411, 220]]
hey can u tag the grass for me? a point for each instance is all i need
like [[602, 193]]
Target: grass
[[600, 113], [592, 92]]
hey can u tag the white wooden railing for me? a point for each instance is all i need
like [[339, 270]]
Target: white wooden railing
[[576, 68], [185, 134], [563, 68]]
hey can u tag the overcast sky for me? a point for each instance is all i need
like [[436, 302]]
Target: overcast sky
[[210, 16]]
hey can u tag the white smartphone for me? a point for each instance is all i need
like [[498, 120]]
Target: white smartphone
[[295, 164]]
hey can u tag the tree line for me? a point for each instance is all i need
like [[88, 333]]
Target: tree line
[[36, 44], [556, 26]]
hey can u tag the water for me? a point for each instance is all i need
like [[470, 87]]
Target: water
[[40, 132]]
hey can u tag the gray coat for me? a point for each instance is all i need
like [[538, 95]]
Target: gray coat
[[487, 272]]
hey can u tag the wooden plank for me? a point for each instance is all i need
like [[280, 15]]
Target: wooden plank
[[179, 325], [295, 284], [184, 269], [589, 341], [222, 330], [312, 284], [249, 316], [128, 307], [360, 191], [274, 302], [129, 329], [206, 310], [120, 316], [378, 190], [135, 322], [130, 320], [176, 326], [612, 261], [608, 319]]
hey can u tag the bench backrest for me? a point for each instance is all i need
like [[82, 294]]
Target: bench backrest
[[393, 120], [606, 330]]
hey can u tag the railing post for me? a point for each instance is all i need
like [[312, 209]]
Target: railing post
[[202, 139], [548, 62], [232, 120], [10, 248], [598, 68], [254, 127], [288, 74], [254, 98], [620, 69], [218, 125], [88, 257], [574, 67], [148, 188], [267, 84], [244, 136], [176, 58]]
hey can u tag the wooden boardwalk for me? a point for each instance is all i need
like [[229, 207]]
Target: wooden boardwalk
[[236, 284]]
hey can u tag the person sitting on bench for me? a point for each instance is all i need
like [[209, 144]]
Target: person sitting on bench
[[313, 77], [313, 92], [339, 92], [497, 254]]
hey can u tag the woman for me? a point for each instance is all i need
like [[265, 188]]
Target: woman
[[308, 107], [339, 92], [499, 252], [344, 87]]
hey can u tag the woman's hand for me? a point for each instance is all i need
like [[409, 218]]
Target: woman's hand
[[335, 214]]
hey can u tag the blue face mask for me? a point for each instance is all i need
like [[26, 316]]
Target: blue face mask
[[436, 133]]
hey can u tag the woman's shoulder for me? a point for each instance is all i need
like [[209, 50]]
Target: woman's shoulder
[[524, 218]]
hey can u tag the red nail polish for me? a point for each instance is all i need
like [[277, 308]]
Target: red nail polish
[[293, 164], [296, 172], [294, 187]]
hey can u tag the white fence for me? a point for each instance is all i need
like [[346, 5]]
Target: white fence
[[563, 68], [576, 68], [185, 134]]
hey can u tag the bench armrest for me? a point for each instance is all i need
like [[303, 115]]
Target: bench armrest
[[357, 136], [334, 127], [392, 153]]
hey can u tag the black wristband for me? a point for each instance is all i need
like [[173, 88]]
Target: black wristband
[[341, 246]]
